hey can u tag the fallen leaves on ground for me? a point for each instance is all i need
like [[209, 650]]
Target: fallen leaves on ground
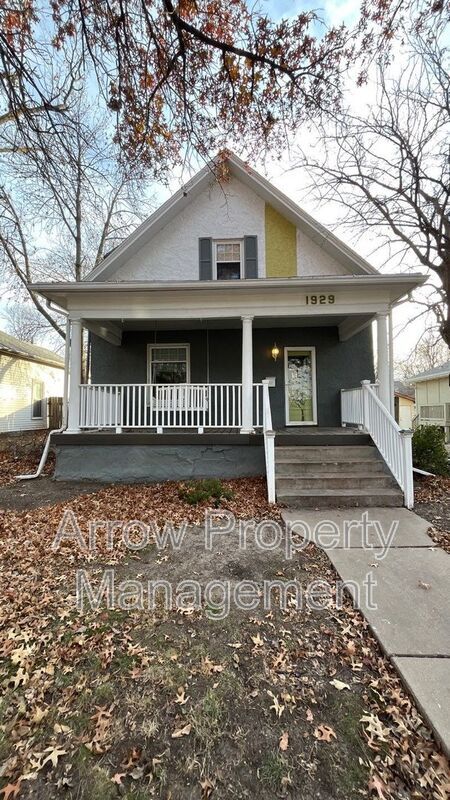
[[432, 501], [162, 700], [324, 733], [20, 455], [284, 741]]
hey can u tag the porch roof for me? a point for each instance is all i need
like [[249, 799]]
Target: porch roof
[[349, 302], [394, 286]]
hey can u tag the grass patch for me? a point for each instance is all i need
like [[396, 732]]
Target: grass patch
[[96, 783], [345, 774], [103, 694], [206, 718], [4, 747], [273, 769], [79, 722], [207, 490]]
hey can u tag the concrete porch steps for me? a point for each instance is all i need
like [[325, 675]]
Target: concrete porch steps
[[335, 480], [322, 437], [334, 476], [317, 468]]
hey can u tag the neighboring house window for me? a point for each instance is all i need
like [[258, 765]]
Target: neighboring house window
[[168, 363], [228, 260], [432, 412], [37, 398]]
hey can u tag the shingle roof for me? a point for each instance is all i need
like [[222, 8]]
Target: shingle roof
[[438, 372], [28, 351], [404, 389]]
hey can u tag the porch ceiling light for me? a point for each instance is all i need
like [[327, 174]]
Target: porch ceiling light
[[275, 352]]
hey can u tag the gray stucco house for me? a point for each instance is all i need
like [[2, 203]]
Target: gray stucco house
[[228, 329]]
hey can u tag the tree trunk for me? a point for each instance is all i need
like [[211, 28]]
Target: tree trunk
[[445, 325]]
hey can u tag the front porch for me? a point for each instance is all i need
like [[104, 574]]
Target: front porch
[[241, 359], [210, 374]]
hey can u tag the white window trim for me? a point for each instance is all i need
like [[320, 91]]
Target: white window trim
[[34, 382], [240, 242], [159, 346]]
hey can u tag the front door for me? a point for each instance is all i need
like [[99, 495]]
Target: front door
[[300, 385]]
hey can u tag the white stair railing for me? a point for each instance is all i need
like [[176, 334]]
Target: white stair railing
[[363, 407], [269, 443]]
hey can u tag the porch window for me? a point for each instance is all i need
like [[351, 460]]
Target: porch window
[[228, 260], [37, 396], [168, 363]]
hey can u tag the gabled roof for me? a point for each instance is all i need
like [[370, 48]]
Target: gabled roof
[[351, 261], [437, 372], [29, 352]]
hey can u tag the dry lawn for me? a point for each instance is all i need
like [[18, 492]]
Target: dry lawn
[[177, 704]]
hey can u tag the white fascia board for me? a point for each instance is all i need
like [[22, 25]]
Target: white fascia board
[[175, 204], [405, 282], [203, 299]]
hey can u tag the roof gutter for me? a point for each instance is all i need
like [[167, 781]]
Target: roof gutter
[[266, 284], [33, 359]]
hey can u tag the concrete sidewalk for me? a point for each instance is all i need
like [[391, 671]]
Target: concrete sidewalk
[[408, 609]]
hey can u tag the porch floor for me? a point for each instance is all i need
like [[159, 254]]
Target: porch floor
[[305, 436]]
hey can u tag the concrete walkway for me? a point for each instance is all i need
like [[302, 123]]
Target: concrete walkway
[[408, 609]]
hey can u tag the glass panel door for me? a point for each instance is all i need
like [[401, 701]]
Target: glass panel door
[[300, 383]]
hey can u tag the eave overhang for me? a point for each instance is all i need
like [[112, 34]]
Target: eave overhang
[[395, 287]]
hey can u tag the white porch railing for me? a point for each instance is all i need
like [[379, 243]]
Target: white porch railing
[[352, 408], [363, 407], [159, 406], [269, 443]]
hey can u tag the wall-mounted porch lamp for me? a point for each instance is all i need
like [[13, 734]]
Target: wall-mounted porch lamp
[[275, 352]]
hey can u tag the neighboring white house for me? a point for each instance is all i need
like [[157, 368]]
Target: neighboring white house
[[433, 397], [29, 375]]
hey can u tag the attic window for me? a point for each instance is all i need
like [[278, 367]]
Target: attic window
[[228, 260]]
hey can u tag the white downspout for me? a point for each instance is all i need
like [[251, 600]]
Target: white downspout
[[44, 455]]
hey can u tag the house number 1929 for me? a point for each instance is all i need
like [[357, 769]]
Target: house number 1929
[[319, 299]]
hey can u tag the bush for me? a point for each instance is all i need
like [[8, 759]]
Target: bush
[[429, 451], [204, 490]]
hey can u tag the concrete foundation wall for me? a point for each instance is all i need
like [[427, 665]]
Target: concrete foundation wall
[[130, 463]]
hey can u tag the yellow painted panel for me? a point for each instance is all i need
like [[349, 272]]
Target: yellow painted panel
[[281, 245]]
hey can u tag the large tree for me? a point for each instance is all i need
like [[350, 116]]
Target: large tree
[[59, 216], [388, 168], [187, 75], [428, 353]]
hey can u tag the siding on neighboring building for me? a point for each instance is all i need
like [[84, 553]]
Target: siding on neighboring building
[[405, 410], [433, 402], [16, 392]]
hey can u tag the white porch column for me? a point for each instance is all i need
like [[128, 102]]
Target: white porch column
[[391, 365], [74, 376], [247, 374], [383, 359]]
